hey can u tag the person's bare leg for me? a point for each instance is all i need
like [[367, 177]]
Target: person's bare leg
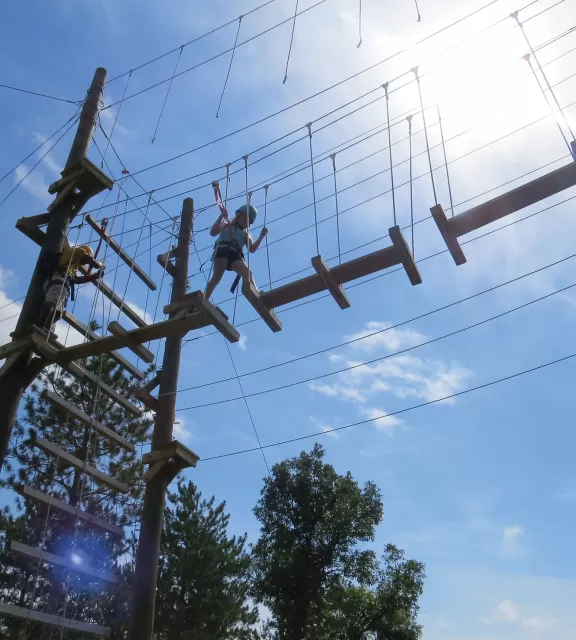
[[219, 269], [241, 268]]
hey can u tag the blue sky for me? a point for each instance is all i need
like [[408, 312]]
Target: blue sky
[[480, 488]]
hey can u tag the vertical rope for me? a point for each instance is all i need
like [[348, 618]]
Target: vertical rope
[[409, 118], [417, 11], [230, 65], [385, 86], [333, 156], [309, 125], [445, 160], [115, 119], [228, 165], [167, 94], [415, 71], [266, 187], [291, 42], [566, 123], [245, 158], [359, 25]]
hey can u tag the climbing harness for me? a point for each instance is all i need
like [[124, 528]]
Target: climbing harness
[[229, 66], [333, 157], [385, 87], [167, 93], [309, 125]]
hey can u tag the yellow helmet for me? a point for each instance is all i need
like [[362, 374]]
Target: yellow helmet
[[72, 257]]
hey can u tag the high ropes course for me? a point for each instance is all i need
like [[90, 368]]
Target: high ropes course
[[103, 234]]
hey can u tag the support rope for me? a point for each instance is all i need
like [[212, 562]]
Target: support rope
[[409, 118], [333, 156], [266, 187], [245, 158], [385, 86], [445, 160], [415, 71], [417, 11], [167, 94], [229, 66], [109, 138], [309, 125], [291, 43], [359, 25]]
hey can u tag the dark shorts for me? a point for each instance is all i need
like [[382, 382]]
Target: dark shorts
[[230, 254]]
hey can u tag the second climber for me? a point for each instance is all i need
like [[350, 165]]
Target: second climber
[[233, 236]]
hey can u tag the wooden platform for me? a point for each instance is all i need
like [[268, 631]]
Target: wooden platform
[[174, 458], [52, 352], [74, 512], [484, 214], [91, 335], [57, 622], [73, 461], [43, 556], [68, 410], [102, 233]]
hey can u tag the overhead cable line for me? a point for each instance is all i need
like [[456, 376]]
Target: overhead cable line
[[40, 95]]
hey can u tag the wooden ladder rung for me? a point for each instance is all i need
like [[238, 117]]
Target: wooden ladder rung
[[405, 255], [69, 410], [68, 509], [44, 556], [335, 289], [102, 233], [198, 301], [116, 329], [253, 296], [91, 335], [83, 466], [57, 622]]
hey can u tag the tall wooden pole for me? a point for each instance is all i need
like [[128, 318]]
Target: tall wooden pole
[[147, 555], [15, 378]]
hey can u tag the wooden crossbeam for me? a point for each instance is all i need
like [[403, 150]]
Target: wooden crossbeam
[[53, 353], [175, 451], [405, 255], [69, 410], [164, 260], [149, 332], [73, 461], [116, 329], [14, 346], [43, 556], [198, 301], [335, 289], [91, 335], [57, 622], [260, 303], [75, 512], [523, 196], [102, 233]]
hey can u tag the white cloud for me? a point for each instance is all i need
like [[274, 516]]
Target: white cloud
[[511, 541], [338, 391], [34, 183], [380, 334], [9, 310], [386, 423], [46, 157], [242, 342], [325, 428], [508, 612], [183, 429]]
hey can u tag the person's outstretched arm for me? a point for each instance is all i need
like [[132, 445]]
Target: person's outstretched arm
[[217, 226], [254, 245]]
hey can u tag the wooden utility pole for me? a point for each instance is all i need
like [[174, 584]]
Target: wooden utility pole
[[20, 370], [144, 589]]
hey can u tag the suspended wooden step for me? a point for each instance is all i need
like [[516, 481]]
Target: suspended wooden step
[[68, 563], [82, 465], [53, 352], [68, 410], [122, 334], [255, 298], [175, 454], [165, 261], [102, 233], [144, 394], [91, 335], [501, 206], [57, 622], [397, 253], [197, 301], [67, 509], [335, 289], [29, 226]]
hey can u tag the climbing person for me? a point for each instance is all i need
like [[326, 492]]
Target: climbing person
[[59, 286], [233, 236]]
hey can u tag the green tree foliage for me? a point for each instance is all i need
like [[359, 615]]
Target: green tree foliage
[[312, 523], [203, 580], [49, 588]]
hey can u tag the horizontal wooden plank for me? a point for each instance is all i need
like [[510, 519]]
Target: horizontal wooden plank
[[256, 299], [519, 198], [119, 251], [51, 558], [68, 509], [91, 335], [147, 333], [119, 302], [116, 329], [70, 410], [57, 622], [57, 452], [335, 289]]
